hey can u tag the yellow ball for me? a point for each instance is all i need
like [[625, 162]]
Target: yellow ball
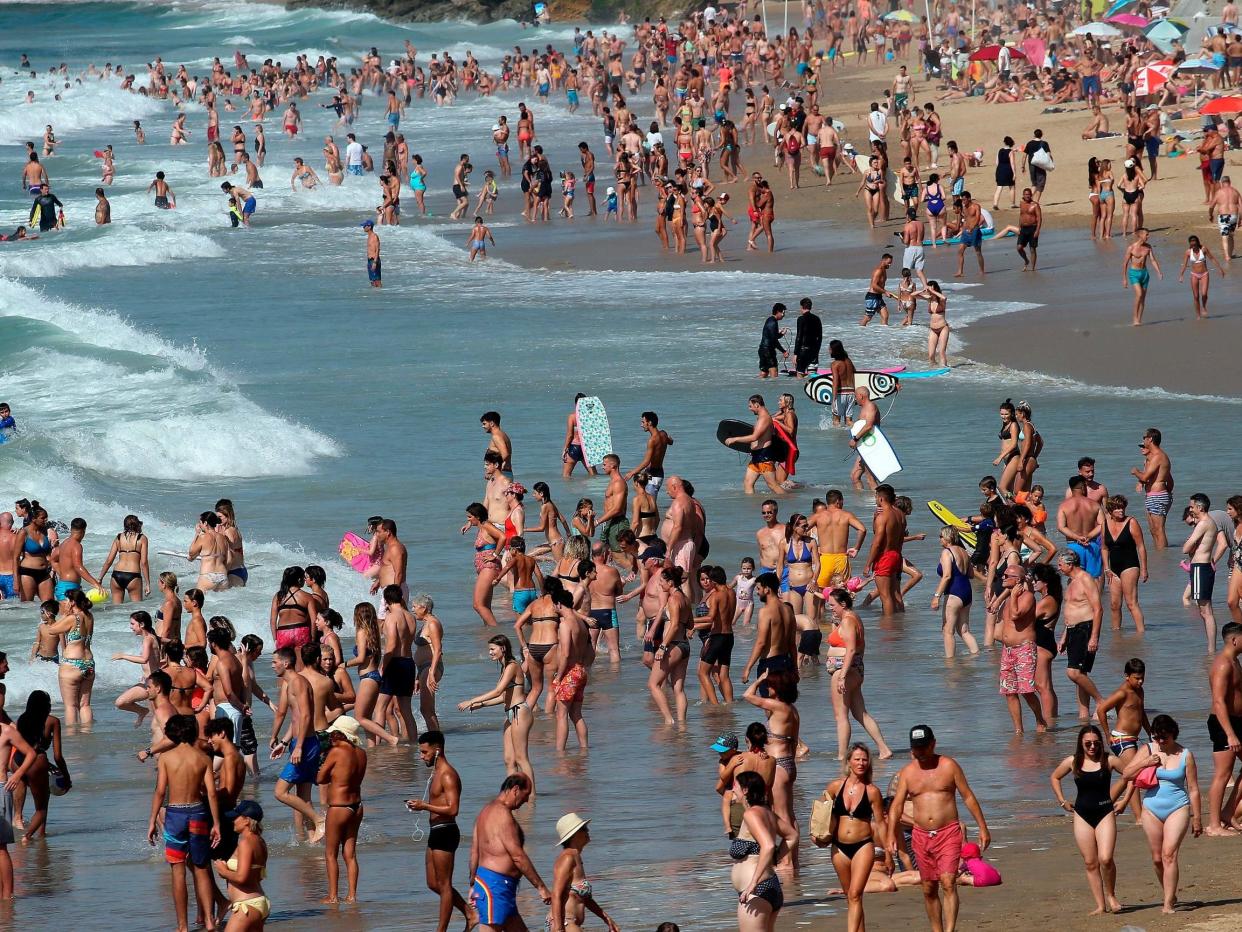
[[96, 596]]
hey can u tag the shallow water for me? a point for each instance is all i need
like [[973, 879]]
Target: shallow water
[[167, 361]]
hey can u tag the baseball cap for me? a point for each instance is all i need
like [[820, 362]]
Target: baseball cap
[[247, 808], [367, 223], [726, 742], [921, 736]]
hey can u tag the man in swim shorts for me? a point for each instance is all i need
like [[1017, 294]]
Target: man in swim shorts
[[1156, 478], [498, 859], [832, 525], [873, 303], [1080, 520], [1225, 727], [1205, 546], [1083, 611], [300, 741], [932, 782], [1136, 274], [885, 559], [374, 269], [8, 557]]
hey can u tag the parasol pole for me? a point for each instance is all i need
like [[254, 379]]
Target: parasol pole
[[786, 30], [763, 6]]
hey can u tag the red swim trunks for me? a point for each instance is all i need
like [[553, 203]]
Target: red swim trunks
[[572, 686], [889, 564], [938, 852]]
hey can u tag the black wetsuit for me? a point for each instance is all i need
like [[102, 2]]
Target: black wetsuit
[[808, 339], [769, 344], [47, 204]]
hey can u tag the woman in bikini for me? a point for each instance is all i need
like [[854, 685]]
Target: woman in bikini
[[539, 650], [428, 656], [196, 627], [938, 328], [1009, 449], [244, 872], [150, 658], [41, 729], [1103, 188], [646, 516], [1030, 446], [1131, 187], [784, 724], [315, 579], [698, 222], [509, 692], [677, 217], [856, 827], [228, 529], [763, 835], [76, 624], [34, 567], [800, 557], [672, 655], [550, 522], [368, 648], [294, 612], [846, 667], [1197, 257], [571, 891], [168, 615], [211, 549], [872, 188], [327, 625]]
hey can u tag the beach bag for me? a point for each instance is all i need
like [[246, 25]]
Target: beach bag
[[1043, 159], [821, 823], [1145, 779]]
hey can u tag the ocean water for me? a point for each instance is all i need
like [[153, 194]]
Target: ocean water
[[168, 360]]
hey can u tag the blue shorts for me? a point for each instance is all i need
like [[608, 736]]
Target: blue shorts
[[973, 238], [959, 185], [6, 586], [1089, 557], [494, 895], [1153, 146], [248, 208], [572, 97], [63, 588], [308, 768], [187, 834], [1091, 85], [1218, 168], [394, 119], [354, 169], [522, 599], [373, 269], [605, 618], [543, 90]]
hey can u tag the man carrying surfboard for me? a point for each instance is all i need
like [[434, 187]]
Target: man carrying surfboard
[[866, 420], [759, 442]]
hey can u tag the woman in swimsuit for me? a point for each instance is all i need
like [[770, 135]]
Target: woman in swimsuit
[[1124, 551], [938, 324], [1009, 451], [1197, 257], [800, 556], [584, 518], [1172, 805], [672, 656], [571, 891], [847, 670], [34, 549], [196, 627], [954, 593], [327, 625], [294, 612], [1034, 547], [1131, 187], [236, 563], [856, 827], [550, 522], [428, 656], [754, 852], [41, 729], [260, 146], [245, 870], [784, 724], [934, 201], [46, 647], [211, 549], [1030, 446], [315, 579], [76, 624], [1103, 188], [1095, 811], [509, 692], [698, 221], [872, 187], [168, 615], [418, 184], [787, 417], [540, 650], [1048, 592], [646, 517], [368, 648], [150, 658]]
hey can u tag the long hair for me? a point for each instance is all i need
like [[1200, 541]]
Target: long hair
[[1080, 753]]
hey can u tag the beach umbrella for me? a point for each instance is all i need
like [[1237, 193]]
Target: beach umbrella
[[1198, 66], [1150, 78], [1099, 30], [1130, 21], [1164, 32], [1120, 7], [1222, 105], [900, 16], [992, 52]]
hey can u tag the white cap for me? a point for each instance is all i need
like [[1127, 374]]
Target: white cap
[[611, 191], [1129, 163]]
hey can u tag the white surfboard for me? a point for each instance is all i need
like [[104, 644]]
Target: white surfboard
[[596, 434], [877, 453]]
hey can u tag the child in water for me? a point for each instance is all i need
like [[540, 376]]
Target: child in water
[[744, 586], [611, 201]]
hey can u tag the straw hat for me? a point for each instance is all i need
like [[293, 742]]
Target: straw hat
[[568, 825], [347, 726]]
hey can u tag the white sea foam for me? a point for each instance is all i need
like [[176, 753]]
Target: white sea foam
[[81, 109], [69, 250]]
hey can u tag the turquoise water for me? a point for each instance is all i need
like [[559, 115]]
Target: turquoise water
[[168, 360]]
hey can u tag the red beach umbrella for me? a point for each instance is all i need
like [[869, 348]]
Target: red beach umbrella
[[992, 52], [1222, 105]]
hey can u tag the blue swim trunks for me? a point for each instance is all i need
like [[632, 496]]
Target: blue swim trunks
[[973, 237], [6, 586], [373, 270], [63, 588], [249, 206], [1138, 277], [394, 119], [1089, 557], [572, 97], [355, 169], [307, 769], [187, 834], [494, 896], [522, 599], [959, 185]]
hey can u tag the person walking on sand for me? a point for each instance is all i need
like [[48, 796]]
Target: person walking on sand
[[971, 235], [1197, 257], [1095, 810], [1226, 210], [933, 782], [1134, 271], [373, 254]]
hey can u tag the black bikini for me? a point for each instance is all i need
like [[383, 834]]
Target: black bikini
[[862, 811]]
